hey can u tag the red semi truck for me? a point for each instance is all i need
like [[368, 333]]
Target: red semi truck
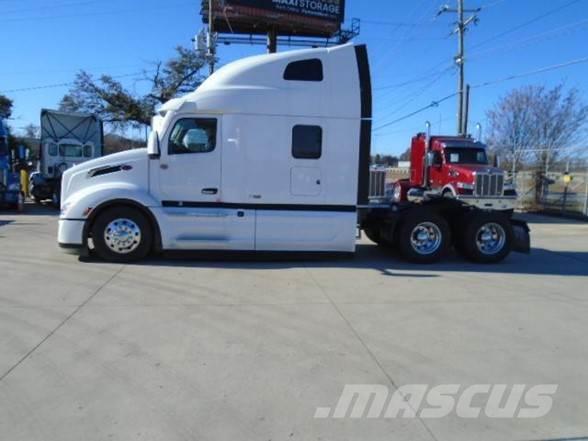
[[457, 168]]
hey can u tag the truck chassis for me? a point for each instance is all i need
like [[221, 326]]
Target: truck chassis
[[424, 233]]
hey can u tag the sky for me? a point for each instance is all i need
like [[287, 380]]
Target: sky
[[43, 43]]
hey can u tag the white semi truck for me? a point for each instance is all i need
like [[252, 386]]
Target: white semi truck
[[271, 153], [67, 139]]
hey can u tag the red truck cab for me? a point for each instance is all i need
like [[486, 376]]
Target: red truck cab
[[454, 167]]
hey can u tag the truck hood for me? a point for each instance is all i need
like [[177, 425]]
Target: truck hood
[[128, 167], [109, 160], [470, 169]]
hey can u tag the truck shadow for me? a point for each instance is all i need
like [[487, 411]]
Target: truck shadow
[[386, 262]]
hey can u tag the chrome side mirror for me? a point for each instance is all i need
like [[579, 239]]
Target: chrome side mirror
[[430, 159]]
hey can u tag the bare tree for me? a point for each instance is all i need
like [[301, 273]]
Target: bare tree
[[534, 125], [109, 99]]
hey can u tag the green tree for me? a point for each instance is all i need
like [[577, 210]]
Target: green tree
[[109, 99]]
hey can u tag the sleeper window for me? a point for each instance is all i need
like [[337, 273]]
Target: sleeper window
[[304, 70], [307, 142], [193, 135]]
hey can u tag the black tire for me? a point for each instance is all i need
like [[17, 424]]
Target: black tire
[[56, 196], [496, 245], [428, 250], [131, 247], [372, 234], [375, 236]]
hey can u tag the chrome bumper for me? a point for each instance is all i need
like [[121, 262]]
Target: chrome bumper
[[490, 203]]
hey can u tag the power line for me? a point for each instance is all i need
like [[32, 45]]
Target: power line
[[486, 84], [491, 5], [95, 14], [534, 72], [406, 83], [433, 104], [410, 98], [553, 32], [527, 23], [57, 85]]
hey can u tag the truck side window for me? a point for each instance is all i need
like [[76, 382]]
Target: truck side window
[[193, 135], [52, 149], [305, 70], [307, 142]]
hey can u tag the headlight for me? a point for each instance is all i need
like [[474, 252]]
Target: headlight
[[15, 186], [397, 193], [464, 186]]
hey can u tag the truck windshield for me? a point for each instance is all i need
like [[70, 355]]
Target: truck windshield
[[3, 146], [71, 150], [466, 156]]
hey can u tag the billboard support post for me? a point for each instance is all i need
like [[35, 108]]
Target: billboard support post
[[272, 41]]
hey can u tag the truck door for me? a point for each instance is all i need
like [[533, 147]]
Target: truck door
[[188, 184], [437, 173]]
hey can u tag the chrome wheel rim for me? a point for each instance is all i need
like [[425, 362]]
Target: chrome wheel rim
[[426, 238], [490, 238], [122, 236]]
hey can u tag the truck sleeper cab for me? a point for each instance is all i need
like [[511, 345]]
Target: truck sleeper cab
[[271, 153], [267, 154]]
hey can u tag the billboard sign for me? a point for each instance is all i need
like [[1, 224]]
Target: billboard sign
[[314, 18], [332, 10]]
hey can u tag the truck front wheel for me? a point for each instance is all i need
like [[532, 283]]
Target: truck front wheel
[[122, 234], [486, 238], [424, 237]]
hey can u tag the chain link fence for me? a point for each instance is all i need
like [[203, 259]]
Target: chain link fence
[[556, 191]]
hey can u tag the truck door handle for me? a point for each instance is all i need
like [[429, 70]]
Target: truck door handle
[[209, 190]]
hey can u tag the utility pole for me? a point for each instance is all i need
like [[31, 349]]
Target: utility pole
[[462, 26], [210, 41]]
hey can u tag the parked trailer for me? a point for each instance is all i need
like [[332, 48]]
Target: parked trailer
[[271, 153], [67, 139]]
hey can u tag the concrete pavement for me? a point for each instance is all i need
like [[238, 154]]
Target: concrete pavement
[[198, 350]]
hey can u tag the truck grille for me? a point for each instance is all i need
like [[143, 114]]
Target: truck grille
[[489, 185], [377, 184]]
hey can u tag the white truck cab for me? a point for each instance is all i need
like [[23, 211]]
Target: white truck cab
[[62, 154], [271, 153]]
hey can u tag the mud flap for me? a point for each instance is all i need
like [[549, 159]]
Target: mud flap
[[521, 236]]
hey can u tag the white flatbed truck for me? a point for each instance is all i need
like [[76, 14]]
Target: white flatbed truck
[[271, 153]]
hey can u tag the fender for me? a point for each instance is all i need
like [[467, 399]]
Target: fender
[[85, 204], [450, 188], [84, 201]]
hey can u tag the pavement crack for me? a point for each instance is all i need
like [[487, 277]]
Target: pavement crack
[[60, 325], [367, 349]]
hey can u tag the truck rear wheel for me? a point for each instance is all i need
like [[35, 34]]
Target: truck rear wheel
[[424, 237], [122, 234], [486, 238]]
